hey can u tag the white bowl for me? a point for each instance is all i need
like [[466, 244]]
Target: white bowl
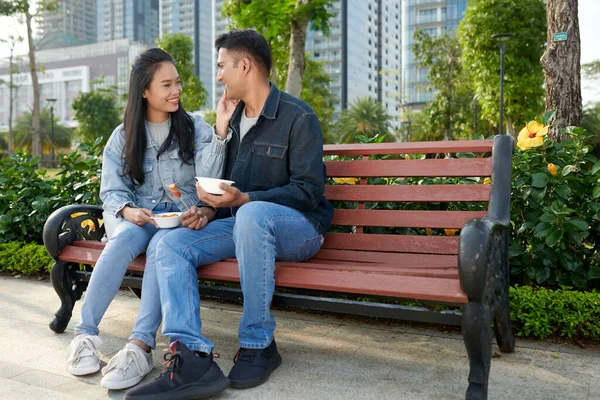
[[211, 185], [167, 220]]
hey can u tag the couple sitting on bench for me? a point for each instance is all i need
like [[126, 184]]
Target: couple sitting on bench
[[266, 141]]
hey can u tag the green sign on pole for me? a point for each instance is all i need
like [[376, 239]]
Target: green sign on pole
[[560, 36]]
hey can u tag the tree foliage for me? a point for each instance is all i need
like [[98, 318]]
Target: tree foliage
[[365, 117], [98, 113], [450, 109], [181, 47], [524, 78], [316, 92], [24, 128], [273, 19]]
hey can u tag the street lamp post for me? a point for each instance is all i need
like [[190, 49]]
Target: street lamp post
[[51, 102], [502, 38]]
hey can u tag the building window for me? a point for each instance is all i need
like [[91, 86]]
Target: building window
[[427, 15]]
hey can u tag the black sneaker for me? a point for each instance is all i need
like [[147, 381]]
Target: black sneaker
[[253, 366], [189, 375]]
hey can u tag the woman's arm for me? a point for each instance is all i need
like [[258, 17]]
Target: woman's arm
[[209, 151]]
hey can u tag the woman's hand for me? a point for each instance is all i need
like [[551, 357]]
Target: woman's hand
[[225, 109], [138, 216], [197, 218]]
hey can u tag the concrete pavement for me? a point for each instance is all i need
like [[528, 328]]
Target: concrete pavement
[[324, 356]]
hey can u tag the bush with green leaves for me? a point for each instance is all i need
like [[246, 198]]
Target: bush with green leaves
[[540, 313], [555, 211], [28, 196], [25, 258]]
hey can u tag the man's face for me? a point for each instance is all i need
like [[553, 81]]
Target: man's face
[[230, 73]]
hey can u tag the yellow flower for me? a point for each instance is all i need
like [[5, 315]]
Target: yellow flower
[[487, 181], [450, 232], [532, 135], [552, 168], [428, 231], [347, 181], [406, 157]]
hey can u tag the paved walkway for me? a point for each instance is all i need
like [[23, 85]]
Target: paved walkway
[[324, 356]]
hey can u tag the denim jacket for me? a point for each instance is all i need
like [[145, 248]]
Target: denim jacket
[[118, 191], [280, 159]]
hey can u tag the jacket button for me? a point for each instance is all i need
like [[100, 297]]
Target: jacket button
[[153, 201]]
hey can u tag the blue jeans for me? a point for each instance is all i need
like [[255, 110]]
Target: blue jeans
[[259, 234], [125, 244]]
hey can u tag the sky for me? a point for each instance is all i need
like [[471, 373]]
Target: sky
[[589, 29]]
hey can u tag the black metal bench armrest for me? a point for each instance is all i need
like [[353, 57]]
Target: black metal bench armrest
[[70, 223]]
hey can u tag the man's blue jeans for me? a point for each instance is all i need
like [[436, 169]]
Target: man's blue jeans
[[125, 244], [259, 234]]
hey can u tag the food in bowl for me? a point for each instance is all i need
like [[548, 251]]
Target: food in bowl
[[211, 185], [167, 220]]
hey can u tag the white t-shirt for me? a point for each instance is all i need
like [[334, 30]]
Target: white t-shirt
[[246, 123]]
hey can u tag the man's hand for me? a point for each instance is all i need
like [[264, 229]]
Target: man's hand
[[231, 198], [197, 218], [225, 109], [138, 216]]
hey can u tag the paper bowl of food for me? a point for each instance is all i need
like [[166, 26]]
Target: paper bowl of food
[[211, 185], [167, 220]]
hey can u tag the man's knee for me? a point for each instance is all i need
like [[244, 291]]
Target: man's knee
[[252, 216]]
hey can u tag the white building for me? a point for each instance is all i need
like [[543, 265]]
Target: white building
[[67, 73]]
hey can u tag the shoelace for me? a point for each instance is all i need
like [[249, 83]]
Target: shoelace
[[245, 355], [172, 360], [122, 360], [78, 349]]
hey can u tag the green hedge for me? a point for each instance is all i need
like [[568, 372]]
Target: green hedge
[[540, 313], [26, 258]]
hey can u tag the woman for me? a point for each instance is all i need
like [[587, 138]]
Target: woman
[[158, 144]]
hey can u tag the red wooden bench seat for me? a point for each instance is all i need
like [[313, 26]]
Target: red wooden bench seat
[[382, 242]]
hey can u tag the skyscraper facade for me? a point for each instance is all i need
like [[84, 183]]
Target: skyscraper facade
[[362, 52], [72, 24], [435, 17], [195, 19], [122, 19]]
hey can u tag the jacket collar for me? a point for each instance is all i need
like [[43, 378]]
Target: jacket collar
[[269, 110]]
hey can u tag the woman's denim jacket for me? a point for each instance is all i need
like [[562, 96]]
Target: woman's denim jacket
[[118, 191]]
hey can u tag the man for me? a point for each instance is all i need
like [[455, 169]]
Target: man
[[274, 211]]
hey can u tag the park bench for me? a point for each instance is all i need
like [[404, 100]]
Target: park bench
[[382, 244]]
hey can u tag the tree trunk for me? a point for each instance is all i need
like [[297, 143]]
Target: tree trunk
[[11, 95], [295, 74], [36, 142], [561, 63]]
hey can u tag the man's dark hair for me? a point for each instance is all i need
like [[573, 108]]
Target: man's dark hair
[[250, 42]]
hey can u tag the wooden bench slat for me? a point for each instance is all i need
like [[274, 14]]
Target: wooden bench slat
[[392, 243], [465, 167], [405, 218], [399, 260], [453, 146], [408, 193], [352, 279], [410, 287], [403, 259]]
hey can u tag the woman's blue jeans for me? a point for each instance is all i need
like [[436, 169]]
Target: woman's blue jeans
[[125, 244], [259, 234]]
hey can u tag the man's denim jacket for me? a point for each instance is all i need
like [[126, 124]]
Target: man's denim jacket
[[280, 159], [118, 191]]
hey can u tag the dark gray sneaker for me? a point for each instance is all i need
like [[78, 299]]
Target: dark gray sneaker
[[254, 366], [189, 375]]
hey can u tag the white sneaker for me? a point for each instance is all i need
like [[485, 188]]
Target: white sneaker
[[127, 368], [82, 356]]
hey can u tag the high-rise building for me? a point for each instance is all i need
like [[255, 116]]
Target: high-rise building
[[72, 24], [195, 19], [435, 17], [66, 74], [362, 52], [132, 20]]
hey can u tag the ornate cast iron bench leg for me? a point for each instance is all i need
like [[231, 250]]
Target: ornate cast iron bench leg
[[68, 292]]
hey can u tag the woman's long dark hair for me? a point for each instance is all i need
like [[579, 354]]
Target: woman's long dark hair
[[181, 133]]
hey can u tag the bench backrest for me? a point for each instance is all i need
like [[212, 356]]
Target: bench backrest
[[401, 225]]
